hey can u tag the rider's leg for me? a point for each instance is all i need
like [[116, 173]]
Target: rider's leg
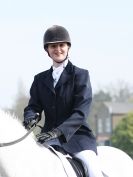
[[90, 160]]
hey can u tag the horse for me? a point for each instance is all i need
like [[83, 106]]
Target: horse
[[27, 158]]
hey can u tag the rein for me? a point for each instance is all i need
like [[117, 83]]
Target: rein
[[20, 139]]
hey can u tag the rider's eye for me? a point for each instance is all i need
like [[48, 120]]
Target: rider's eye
[[62, 45], [53, 46]]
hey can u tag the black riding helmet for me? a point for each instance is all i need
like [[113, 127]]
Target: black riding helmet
[[56, 34]]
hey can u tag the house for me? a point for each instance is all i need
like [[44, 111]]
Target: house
[[107, 118]]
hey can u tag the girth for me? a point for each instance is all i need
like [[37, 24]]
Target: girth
[[75, 162]]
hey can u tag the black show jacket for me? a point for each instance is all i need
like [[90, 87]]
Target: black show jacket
[[66, 106]]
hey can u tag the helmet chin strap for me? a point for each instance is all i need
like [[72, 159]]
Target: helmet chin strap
[[61, 61]]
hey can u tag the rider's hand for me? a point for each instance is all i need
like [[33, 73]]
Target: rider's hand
[[29, 121], [43, 137]]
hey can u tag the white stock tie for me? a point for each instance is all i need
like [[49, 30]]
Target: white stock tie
[[56, 74]]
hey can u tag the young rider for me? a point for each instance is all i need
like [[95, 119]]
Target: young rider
[[64, 93]]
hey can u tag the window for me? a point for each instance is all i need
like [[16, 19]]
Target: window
[[108, 125], [100, 125]]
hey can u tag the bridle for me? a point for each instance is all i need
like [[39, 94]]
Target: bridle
[[22, 138]]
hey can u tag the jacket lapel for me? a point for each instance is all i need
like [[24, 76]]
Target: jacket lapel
[[48, 80], [65, 77]]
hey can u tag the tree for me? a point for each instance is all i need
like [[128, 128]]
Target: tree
[[120, 92], [122, 136], [102, 96], [20, 101]]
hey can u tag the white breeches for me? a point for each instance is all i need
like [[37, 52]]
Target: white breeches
[[91, 163]]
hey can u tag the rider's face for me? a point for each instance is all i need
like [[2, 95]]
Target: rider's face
[[58, 51]]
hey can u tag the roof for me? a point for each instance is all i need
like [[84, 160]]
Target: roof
[[119, 107]]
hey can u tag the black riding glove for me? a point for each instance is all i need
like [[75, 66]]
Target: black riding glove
[[43, 137], [30, 121]]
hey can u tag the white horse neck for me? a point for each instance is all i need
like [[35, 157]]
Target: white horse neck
[[26, 158]]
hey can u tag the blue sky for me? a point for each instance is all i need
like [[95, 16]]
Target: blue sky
[[101, 33]]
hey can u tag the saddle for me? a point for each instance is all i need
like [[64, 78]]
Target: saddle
[[75, 162], [77, 166]]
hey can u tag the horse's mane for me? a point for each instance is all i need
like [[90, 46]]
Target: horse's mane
[[10, 127]]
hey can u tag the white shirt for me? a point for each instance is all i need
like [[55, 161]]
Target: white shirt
[[57, 71]]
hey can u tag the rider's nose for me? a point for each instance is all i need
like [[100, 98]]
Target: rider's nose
[[58, 47]]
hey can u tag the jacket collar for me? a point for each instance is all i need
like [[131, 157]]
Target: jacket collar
[[65, 77]]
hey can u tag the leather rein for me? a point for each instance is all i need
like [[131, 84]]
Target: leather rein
[[19, 139]]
